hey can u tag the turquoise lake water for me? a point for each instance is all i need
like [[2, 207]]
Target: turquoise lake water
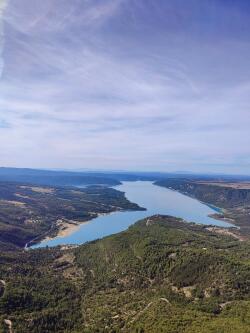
[[157, 200]]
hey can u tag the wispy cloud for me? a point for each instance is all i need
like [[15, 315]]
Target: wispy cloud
[[123, 84], [3, 4], [59, 15]]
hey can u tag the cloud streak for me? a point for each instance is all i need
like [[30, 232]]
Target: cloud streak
[[3, 4], [124, 84]]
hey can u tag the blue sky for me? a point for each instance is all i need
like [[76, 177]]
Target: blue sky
[[125, 84]]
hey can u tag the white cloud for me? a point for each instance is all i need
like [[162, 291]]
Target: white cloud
[[79, 89], [46, 16]]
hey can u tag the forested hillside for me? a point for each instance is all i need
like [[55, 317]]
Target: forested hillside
[[221, 194], [30, 212], [232, 196], [161, 275]]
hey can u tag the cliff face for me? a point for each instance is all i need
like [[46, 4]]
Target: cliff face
[[233, 197], [218, 195]]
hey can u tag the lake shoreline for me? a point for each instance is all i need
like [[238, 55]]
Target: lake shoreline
[[157, 200], [218, 215], [65, 229]]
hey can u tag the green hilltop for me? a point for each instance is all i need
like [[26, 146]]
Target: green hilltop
[[161, 275]]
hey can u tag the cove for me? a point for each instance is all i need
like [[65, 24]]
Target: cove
[[156, 199]]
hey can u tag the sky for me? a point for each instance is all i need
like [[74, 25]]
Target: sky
[[153, 85]]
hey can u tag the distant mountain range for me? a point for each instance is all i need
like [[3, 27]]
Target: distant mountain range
[[111, 178]]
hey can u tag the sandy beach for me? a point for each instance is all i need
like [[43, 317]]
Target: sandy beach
[[65, 228]]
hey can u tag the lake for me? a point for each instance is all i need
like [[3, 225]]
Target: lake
[[157, 200]]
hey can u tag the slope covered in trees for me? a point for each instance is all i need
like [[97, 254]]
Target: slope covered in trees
[[30, 212], [161, 275], [232, 196]]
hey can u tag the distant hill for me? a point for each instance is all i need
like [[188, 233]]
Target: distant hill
[[65, 178], [53, 177], [47, 177]]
